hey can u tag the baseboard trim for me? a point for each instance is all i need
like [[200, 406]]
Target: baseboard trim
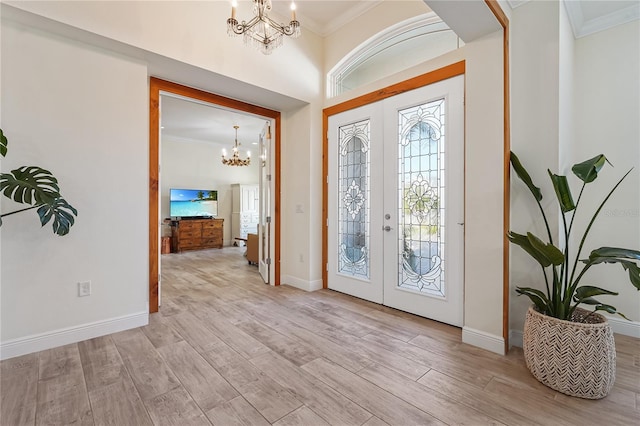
[[483, 340], [64, 336], [622, 326], [301, 284], [516, 338]]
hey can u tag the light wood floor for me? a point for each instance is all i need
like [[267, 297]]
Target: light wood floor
[[226, 349]]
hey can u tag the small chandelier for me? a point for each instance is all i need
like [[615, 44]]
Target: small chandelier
[[262, 32], [235, 159]]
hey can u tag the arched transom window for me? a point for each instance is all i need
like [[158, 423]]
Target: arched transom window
[[397, 48]]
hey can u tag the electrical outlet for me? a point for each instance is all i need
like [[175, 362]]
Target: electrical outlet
[[84, 288], [300, 258]]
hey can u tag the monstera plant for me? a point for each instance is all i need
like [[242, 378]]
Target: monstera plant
[[38, 189], [560, 267]]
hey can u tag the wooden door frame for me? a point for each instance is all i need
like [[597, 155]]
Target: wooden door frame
[[156, 86]]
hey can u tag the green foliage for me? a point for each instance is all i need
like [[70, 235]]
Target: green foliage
[[3, 143], [29, 185], [37, 188], [62, 213], [563, 192], [564, 293]]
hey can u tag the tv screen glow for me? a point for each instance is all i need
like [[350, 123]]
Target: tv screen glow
[[193, 203]]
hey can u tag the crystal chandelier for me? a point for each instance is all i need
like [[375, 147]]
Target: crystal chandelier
[[235, 159], [262, 32]]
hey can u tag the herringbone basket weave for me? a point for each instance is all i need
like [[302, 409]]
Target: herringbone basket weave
[[577, 359]]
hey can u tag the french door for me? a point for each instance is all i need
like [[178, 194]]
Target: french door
[[396, 191]]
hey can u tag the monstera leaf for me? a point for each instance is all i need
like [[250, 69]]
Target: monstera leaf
[[30, 185], [62, 213], [3, 143], [37, 188]]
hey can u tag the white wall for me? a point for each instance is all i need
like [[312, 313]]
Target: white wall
[[296, 195], [534, 56], [197, 36], [572, 100], [82, 113], [606, 111], [484, 186], [198, 165], [205, 48], [384, 15]]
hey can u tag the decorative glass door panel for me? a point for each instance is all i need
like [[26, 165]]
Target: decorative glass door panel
[[421, 195], [353, 227], [355, 240]]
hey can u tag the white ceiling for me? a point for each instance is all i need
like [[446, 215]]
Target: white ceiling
[[186, 120]]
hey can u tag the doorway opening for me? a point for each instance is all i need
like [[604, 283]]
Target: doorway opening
[[158, 88]]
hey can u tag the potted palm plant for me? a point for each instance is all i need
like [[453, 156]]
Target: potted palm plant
[[567, 347], [38, 189]]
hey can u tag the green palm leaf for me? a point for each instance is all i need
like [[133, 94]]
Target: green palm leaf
[[614, 252], [545, 254], [587, 171], [621, 256], [563, 192], [524, 176], [537, 297], [587, 291], [610, 310]]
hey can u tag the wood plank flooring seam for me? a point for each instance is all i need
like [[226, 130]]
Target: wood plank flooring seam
[[133, 381], [84, 381]]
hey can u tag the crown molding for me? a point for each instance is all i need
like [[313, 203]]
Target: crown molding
[[516, 3], [339, 21], [582, 27]]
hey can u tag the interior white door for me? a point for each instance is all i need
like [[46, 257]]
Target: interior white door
[[396, 191], [264, 227]]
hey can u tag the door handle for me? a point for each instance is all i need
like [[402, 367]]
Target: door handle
[[386, 228]]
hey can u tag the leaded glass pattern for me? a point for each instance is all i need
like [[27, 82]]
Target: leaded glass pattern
[[421, 184], [353, 205]]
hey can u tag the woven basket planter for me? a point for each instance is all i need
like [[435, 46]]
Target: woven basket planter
[[577, 359]]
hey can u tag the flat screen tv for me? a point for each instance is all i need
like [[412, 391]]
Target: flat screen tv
[[193, 203]]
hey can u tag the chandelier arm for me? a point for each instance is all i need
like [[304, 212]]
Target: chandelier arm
[[269, 34], [286, 30], [242, 27]]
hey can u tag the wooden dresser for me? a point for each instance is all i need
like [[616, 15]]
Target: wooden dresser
[[196, 234]]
